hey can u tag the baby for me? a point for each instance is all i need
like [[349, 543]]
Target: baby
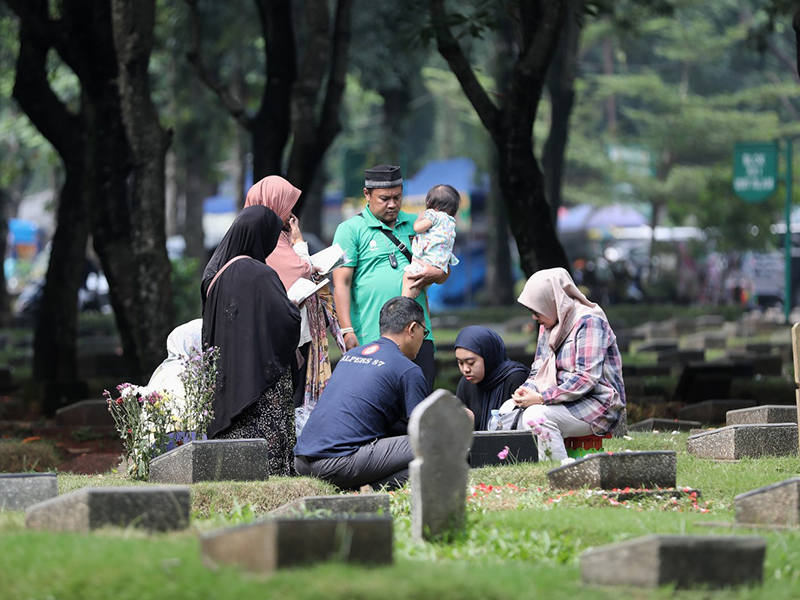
[[436, 234]]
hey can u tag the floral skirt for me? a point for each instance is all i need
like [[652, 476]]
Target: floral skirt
[[271, 417]]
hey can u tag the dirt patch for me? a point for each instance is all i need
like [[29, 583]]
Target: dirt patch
[[91, 463]]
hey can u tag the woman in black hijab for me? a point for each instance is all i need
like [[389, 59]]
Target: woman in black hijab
[[248, 316], [489, 377]]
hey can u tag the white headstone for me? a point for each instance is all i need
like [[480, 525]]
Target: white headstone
[[441, 436]]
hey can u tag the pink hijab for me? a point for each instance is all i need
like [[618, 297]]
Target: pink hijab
[[280, 196], [552, 294]]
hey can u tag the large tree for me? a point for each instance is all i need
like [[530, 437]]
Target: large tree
[[126, 229], [298, 100], [511, 124]]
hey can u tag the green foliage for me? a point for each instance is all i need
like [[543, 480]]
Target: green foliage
[[186, 300], [21, 457]]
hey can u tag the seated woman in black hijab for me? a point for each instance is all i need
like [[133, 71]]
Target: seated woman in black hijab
[[248, 316], [489, 376]]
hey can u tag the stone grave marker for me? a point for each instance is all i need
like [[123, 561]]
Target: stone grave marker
[[486, 445], [647, 370], [712, 322], [706, 340], [213, 460], [441, 436], [745, 441], [769, 413], [342, 504], [776, 504], [680, 356], [713, 412], [155, 508], [357, 529], [18, 491], [704, 381], [664, 425], [658, 345], [92, 413], [617, 470], [683, 560]]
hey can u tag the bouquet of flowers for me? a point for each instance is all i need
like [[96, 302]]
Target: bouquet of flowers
[[145, 419]]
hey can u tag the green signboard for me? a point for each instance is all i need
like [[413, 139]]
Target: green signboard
[[755, 170]]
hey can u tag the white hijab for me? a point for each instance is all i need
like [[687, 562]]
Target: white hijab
[[552, 294], [180, 343]]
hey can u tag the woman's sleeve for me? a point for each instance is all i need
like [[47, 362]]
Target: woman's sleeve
[[301, 249], [538, 359], [591, 342]]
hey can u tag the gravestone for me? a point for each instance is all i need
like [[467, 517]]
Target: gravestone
[[155, 508], [213, 460], [704, 381], [770, 413], [19, 491], [712, 412], [680, 356], [284, 542], [768, 366], [348, 504], [682, 560], [617, 470], [487, 444], [658, 345], [441, 436], [664, 425], [712, 322], [745, 441], [706, 341], [776, 504], [647, 370], [85, 413]]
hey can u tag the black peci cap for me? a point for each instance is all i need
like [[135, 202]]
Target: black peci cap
[[383, 176]]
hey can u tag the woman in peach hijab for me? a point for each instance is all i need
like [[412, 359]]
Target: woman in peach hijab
[[291, 261], [575, 386]]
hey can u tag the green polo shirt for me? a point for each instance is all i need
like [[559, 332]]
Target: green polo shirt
[[374, 280]]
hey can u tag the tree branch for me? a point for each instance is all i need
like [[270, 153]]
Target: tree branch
[[231, 103], [329, 117], [452, 52]]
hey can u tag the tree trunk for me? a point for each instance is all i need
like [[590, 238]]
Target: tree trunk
[[326, 54], [198, 187], [395, 109], [271, 126], [522, 184], [499, 278], [5, 299], [133, 24], [511, 127], [561, 85], [55, 354]]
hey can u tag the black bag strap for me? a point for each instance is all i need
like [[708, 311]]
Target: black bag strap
[[400, 245]]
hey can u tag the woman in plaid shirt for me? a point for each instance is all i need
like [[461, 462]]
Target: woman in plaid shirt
[[575, 386]]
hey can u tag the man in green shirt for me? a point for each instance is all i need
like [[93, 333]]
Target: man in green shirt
[[374, 272]]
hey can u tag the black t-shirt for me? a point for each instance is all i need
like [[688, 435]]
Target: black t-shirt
[[372, 387]]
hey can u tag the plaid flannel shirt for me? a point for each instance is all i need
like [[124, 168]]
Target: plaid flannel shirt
[[589, 374]]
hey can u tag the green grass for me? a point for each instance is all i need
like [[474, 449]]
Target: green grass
[[522, 540]]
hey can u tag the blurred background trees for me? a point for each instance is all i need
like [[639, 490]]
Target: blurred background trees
[[596, 135]]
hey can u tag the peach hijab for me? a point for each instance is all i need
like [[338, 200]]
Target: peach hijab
[[552, 294], [280, 196]]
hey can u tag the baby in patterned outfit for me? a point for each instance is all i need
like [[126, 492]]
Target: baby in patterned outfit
[[436, 234]]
